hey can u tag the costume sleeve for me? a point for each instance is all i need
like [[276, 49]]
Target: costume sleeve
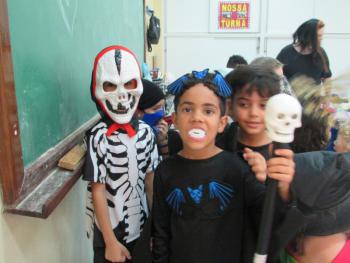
[[153, 156], [95, 162], [160, 222]]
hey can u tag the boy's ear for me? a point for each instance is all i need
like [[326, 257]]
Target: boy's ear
[[229, 107], [223, 123], [173, 117]]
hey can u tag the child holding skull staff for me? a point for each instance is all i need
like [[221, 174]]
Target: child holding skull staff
[[252, 86]]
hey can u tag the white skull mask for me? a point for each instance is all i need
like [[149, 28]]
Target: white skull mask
[[117, 67], [282, 116]]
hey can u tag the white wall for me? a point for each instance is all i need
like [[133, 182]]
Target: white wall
[[60, 238], [155, 58], [189, 44]]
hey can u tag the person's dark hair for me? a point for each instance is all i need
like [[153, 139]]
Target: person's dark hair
[[312, 135], [267, 62], [151, 95], [306, 36], [251, 78], [207, 83], [236, 60]]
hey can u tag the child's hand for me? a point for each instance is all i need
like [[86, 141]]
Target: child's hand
[[282, 169], [116, 252], [257, 163], [163, 128]]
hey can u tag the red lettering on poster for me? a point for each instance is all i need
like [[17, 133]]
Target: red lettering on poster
[[234, 15]]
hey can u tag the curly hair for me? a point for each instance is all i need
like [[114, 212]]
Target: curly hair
[[312, 136], [207, 83]]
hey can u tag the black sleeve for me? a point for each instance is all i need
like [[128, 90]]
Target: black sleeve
[[227, 140], [174, 142], [282, 56], [326, 74], [160, 222]]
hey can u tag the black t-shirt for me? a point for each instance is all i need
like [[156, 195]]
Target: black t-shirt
[[296, 64], [200, 206], [263, 150]]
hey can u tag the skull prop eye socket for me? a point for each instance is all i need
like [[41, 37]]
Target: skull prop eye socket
[[282, 116]]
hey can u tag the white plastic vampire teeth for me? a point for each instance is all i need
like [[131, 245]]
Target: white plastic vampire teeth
[[197, 133]]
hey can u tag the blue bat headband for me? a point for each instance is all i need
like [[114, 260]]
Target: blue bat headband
[[217, 79]]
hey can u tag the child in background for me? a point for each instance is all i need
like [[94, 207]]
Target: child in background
[[342, 143], [235, 60], [319, 219], [317, 225], [251, 88], [202, 193], [275, 66], [121, 157], [151, 111]]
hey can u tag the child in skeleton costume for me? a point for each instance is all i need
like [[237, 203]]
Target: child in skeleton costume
[[201, 194], [121, 156]]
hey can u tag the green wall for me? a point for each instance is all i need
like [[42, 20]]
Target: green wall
[[54, 43]]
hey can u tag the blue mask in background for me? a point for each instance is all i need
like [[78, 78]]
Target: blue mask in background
[[153, 118]]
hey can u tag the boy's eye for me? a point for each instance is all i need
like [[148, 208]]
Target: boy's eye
[[131, 84], [243, 105], [186, 109], [209, 111], [263, 105]]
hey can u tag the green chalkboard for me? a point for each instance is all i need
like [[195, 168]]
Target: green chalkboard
[[54, 43]]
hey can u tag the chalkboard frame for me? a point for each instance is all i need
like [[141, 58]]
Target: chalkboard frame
[[20, 183], [12, 173]]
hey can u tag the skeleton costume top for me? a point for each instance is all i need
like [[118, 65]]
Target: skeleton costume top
[[120, 150]]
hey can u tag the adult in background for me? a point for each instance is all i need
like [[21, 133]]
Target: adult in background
[[305, 56]]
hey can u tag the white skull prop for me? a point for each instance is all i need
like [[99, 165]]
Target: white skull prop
[[282, 116], [117, 65]]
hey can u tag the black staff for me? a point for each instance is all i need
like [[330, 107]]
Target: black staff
[[282, 116]]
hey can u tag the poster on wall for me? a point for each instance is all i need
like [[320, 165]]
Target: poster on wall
[[234, 16]]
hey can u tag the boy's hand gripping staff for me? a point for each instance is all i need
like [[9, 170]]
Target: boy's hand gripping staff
[[282, 116]]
